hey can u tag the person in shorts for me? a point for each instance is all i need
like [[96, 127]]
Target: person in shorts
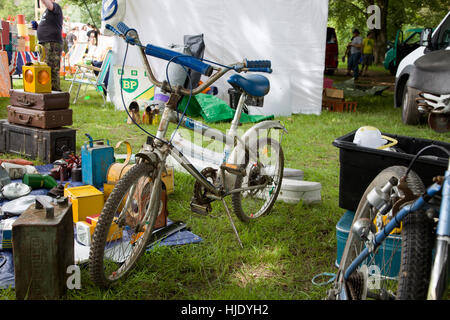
[[367, 53], [49, 33]]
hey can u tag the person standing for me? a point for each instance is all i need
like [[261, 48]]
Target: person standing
[[71, 38], [367, 53], [49, 33], [355, 53]]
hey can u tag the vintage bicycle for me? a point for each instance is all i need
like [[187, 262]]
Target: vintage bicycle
[[398, 217], [251, 172]]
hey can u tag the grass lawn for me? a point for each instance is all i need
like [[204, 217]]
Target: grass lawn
[[282, 251]]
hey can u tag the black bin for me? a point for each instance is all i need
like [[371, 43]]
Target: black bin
[[360, 165]]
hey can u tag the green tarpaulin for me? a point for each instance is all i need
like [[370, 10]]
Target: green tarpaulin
[[213, 109]]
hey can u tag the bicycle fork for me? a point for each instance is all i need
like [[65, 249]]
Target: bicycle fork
[[441, 267]]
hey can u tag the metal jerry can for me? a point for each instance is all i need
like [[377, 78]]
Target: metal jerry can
[[43, 249], [96, 157]]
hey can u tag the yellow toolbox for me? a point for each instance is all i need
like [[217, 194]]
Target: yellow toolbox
[[37, 78], [86, 201]]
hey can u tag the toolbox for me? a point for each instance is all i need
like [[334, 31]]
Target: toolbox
[[384, 253], [86, 201], [39, 101], [40, 118], [34, 143], [360, 165], [43, 249]]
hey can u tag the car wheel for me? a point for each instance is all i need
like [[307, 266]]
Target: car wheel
[[410, 111]]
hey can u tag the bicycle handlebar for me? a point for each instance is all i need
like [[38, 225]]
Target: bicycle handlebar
[[185, 60]]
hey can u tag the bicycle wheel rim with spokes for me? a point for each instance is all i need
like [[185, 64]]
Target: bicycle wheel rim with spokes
[[121, 235], [266, 169], [378, 275]]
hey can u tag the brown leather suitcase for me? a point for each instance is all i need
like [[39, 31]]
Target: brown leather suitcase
[[40, 101], [39, 118]]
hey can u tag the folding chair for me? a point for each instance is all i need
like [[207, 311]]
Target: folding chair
[[84, 75]]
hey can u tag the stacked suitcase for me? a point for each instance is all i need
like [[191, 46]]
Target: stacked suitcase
[[40, 110], [35, 126]]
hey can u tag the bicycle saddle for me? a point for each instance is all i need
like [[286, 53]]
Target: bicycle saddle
[[253, 84], [431, 73]]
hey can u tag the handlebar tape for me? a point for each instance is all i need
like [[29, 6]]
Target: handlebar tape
[[182, 59], [266, 70], [258, 64]]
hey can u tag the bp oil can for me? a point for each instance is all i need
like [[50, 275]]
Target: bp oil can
[[96, 157], [43, 249]]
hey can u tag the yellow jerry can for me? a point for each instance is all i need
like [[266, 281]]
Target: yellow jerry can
[[37, 78]]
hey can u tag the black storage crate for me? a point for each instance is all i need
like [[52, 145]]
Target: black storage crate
[[36, 143], [360, 165]]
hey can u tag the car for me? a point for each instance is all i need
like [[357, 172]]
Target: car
[[331, 52], [405, 97], [400, 48]]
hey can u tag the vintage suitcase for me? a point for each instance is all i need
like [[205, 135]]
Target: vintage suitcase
[[33, 143], [40, 101], [39, 118]]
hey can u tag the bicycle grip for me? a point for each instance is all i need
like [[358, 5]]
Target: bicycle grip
[[123, 28], [258, 64], [179, 58], [112, 29], [266, 70]]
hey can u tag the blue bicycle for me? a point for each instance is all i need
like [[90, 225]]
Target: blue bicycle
[[389, 252]]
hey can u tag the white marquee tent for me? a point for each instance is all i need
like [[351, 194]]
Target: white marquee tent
[[290, 33]]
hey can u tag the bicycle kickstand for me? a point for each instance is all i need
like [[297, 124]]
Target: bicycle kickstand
[[232, 223]]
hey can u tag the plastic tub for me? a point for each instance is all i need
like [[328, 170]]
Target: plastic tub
[[360, 165]]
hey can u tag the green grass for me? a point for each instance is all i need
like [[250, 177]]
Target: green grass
[[282, 251]]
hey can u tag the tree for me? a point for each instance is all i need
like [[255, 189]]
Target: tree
[[90, 10], [394, 15], [15, 7]]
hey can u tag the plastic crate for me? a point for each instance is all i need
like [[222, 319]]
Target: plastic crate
[[360, 165], [384, 253]]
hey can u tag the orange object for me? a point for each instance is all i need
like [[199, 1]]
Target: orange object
[[20, 19], [339, 106], [5, 80], [37, 78], [21, 162]]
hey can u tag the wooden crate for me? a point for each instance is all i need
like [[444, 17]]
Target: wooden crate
[[339, 106]]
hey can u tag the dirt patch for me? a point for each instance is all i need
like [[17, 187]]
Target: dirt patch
[[249, 274]]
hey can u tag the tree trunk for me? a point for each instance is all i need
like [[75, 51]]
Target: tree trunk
[[382, 35]]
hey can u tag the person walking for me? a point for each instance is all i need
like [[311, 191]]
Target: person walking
[[355, 53], [367, 53], [49, 33]]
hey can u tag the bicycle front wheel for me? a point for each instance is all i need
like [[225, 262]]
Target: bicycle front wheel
[[266, 170], [400, 267], [121, 235]]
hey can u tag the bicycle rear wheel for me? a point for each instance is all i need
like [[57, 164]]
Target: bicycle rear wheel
[[266, 170], [409, 279], [121, 235]]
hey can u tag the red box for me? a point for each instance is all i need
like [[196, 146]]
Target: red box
[[5, 33]]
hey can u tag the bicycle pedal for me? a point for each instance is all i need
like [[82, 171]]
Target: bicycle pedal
[[201, 209], [234, 169]]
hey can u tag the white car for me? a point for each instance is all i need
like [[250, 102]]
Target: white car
[[405, 97]]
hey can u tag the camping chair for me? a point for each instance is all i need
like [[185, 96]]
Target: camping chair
[[84, 75]]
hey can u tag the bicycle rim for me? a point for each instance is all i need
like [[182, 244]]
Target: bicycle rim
[[266, 170], [121, 235], [378, 275]]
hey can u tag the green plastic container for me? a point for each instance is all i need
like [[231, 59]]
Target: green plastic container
[[38, 181]]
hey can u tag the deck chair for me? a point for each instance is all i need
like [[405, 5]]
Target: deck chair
[[85, 75]]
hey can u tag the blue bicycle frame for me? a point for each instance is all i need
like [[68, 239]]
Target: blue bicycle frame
[[440, 269]]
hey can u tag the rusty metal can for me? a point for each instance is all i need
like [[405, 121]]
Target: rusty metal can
[[43, 249]]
